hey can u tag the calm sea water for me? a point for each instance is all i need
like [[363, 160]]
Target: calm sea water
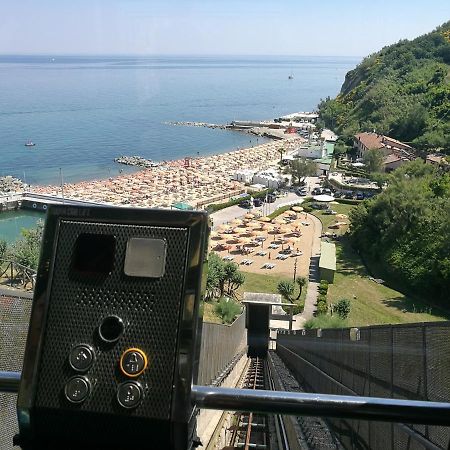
[[82, 112], [12, 222]]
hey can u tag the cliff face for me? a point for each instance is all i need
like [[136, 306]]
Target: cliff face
[[402, 90]]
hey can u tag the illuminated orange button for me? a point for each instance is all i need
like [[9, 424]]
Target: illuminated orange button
[[133, 362]]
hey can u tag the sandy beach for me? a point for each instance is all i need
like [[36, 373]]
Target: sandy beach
[[260, 245], [196, 181]]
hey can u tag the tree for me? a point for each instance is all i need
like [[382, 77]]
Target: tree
[[215, 274], [281, 152], [301, 283], [301, 168], [223, 278], [373, 159], [342, 308], [286, 289], [26, 250]]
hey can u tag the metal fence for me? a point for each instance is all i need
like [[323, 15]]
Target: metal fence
[[14, 318], [395, 361], [220, 343]]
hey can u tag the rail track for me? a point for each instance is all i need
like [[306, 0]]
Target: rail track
[[275, 432]]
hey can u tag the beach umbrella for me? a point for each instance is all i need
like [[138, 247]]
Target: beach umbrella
[[254, 225], [249, 216], [323, 198], [265, 219], [341, 216], [297, 208]]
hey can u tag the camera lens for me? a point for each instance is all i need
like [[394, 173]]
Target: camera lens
[[111, 329]]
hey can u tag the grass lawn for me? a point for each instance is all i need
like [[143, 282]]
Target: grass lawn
[[328, 219], [374, 303]]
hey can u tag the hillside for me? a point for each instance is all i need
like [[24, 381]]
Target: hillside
[[402, 91]]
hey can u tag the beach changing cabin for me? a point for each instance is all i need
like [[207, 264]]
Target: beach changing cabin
[[327, 261]]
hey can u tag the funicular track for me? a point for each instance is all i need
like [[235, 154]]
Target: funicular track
[[253, 430], [272, 431]]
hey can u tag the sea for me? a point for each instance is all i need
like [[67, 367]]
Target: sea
[[82, 112]]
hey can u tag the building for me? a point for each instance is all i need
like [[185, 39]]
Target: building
[[438, 160], [327, 261], [395, 153]]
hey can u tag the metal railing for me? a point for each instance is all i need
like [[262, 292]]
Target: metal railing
[[17, 275]]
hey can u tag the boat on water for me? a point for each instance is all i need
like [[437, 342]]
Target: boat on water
[[29, 143], [290, 77]]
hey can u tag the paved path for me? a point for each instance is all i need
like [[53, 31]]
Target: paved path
[[232, 212], [12, 292], [314, 278]]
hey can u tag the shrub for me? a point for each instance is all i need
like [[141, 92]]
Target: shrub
[[323, 286], [342, 308], [227, 309], [322, 308], [322, 298], [325, 322]]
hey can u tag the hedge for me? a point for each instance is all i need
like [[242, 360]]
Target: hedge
[[218, 206]]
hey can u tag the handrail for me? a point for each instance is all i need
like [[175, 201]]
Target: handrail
[[9, 381], [302, 404]]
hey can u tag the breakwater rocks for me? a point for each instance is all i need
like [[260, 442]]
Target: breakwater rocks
[[11, 184], [136, 161], [199, 124]]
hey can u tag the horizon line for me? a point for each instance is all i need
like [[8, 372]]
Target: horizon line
[[197, 55]]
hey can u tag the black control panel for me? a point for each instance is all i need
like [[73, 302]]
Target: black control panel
[[113, 331]]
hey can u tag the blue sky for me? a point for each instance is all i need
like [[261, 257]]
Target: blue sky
[[213, 27]]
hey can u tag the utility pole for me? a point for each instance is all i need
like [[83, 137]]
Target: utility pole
[[295, 268], [62, 184]]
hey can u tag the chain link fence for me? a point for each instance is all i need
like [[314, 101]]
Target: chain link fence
[[409, 361]]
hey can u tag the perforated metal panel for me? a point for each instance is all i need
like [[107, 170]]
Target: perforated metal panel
[[150, 309], [14, 318]]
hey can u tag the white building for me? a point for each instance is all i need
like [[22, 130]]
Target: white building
[[244, 176]]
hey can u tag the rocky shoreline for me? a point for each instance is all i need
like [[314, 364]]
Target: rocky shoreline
[[136, 161]]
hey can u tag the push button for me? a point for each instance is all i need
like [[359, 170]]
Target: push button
[[77, 389], [129, 394], [81, 358], [133, 362]]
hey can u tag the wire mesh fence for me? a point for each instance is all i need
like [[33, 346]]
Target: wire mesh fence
[[220, 343], [394, 361]]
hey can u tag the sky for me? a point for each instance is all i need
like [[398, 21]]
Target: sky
[[213, 27]]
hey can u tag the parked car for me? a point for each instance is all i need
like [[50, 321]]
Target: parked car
[[257, 202], [316, 191], [349, 195], [326, 191], [359, 196], [330, 212], [301, 191], [338, 194], [270, 198], [245, 204]]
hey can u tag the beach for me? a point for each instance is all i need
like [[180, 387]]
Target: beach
[[194, 181]]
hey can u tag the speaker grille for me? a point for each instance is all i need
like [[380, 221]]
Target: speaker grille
[[150, 309]]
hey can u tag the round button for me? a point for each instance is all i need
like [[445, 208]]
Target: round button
[[111, 329], [81, 358], [77, 389], [133, 362], [129, 394]]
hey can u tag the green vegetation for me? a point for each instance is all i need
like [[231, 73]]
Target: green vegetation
[[224, 278], [405, 230], [300, 169], [287, 288], [324, 321], [218, 206], [227, 309], [373, 303], [402, 91], [25, 250], [342, 308], [281, 210]]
